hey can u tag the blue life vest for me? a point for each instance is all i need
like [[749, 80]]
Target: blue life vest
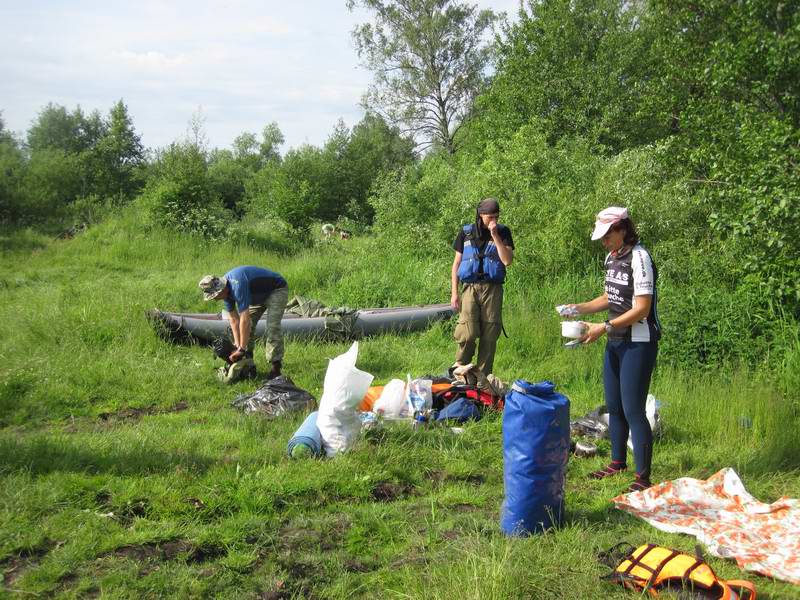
[[477, 266]]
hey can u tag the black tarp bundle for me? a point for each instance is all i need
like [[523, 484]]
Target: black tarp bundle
[[274, 398]]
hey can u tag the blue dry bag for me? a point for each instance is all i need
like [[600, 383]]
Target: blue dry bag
[[535, 453]]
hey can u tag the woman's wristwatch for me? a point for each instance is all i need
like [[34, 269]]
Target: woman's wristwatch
[[608, 326]]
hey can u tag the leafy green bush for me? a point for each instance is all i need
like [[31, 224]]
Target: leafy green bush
[[91, 209], [288, 192], [181, 196], [174, 206], [52, 180], [753, 189], [227, 177], [12, 169]]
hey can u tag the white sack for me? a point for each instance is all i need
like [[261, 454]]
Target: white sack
[[343, 390], [392, 402]]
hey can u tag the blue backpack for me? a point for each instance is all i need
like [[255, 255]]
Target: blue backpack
[[460, 411]]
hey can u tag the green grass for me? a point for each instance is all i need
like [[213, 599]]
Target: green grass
[[124, 472]]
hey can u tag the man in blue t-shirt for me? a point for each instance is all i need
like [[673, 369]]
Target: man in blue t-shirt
[[248, 293]]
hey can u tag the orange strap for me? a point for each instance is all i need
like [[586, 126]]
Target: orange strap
[[745, 585]]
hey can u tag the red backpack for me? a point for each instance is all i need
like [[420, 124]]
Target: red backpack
[[480, 397]]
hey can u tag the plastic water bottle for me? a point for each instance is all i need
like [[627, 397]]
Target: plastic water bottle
[[420, 420]]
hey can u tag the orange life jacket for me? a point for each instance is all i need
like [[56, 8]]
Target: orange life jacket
[[652, 568]]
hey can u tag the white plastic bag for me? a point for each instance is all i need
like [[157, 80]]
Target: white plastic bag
[[652, 410], [344, 387], [419, 395], [392, 401]]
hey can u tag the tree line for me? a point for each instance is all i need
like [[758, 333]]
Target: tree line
[[68, 158], [73, 167]]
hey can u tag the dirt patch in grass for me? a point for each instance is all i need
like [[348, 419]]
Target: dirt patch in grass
[[463, 508], [13, 566], [139, 552], [66, 582], [471, 478], [134, 414], [103, 499], [279, 592], [436, 476], [126, 514], [205, 553], [353, 565], [298, 551], [296, 538], [389, 491], [412, 560], [166, 551], [334, 533], [195, 503], [326, 535], [297, 584], [439, 477], [451, 534]]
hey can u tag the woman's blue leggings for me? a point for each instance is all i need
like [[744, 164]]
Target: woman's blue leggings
[[626, 377]]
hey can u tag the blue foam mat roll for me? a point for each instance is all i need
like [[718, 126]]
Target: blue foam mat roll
[[308, 435]]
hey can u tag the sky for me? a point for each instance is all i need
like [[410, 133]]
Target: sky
[[239, 64]]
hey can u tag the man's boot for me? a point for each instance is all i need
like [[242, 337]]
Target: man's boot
[[276, 370]]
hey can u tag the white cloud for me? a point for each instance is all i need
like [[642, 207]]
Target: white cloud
[[266, 26], [151, 60]]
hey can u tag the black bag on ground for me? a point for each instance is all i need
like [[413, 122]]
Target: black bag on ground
[[233, 372], [274, 398], [222, 348], [593, 425]]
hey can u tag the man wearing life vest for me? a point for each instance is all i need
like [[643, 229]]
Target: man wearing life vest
[[483, 251]]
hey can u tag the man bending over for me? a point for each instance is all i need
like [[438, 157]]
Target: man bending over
[[248, 293]]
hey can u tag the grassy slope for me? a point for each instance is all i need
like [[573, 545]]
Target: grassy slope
[[124, 471]]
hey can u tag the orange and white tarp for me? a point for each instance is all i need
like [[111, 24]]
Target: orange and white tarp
[[721, 514]]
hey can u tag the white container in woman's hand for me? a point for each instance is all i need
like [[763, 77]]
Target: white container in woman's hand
[[573, 329]]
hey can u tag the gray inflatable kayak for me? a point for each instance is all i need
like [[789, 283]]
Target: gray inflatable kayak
[[203, 327]]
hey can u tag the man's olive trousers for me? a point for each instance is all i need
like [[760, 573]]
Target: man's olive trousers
[[481, 317], [274, 306]]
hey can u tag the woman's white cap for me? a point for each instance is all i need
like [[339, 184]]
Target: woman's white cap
[[606, 218]]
